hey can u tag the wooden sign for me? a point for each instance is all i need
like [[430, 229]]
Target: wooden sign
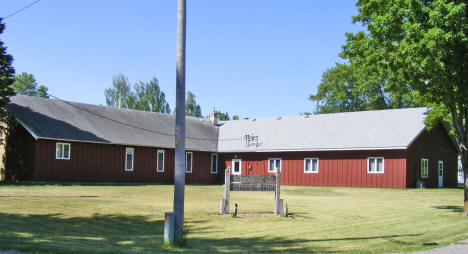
[[251, 183]]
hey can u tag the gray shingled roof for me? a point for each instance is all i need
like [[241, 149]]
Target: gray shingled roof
[[54, 119], [381, 129]]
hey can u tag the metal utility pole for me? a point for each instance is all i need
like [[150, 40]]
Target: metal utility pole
[[179, 175]]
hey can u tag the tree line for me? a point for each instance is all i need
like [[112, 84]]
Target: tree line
[[148, 96]]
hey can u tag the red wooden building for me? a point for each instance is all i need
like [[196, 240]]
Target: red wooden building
[[75, 142]]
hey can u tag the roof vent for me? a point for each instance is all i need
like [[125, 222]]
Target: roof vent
[[278, 118], [306, 116], [253, 120]]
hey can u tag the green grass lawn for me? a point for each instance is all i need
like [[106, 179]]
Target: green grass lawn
[[129, 219]]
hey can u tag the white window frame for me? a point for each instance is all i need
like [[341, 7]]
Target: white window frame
[[129, 150], [191, 162], [376, 165], [273, 170], [163, 159], [312, 165], [63, 157], [427, 168], [216, 168], [240, 167]]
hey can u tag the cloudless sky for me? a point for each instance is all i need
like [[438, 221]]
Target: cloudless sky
[[253, 58]]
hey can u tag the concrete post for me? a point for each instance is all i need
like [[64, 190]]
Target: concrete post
[[168, 227], [224, 206]]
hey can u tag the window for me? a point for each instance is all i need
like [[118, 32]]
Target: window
[[311, 165], [375, 165], [424, 168], [129, 159], [273, 164], [160, 161], [236, 166], [62, 151], [214, 163], [188, 162]]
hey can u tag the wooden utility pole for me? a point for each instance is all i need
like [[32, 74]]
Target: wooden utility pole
[[179, 175]]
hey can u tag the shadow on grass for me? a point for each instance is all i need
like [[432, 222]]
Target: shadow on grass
[[277, 244], [452, 208], [55, 233]]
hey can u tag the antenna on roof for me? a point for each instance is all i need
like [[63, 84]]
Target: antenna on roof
[[251, 140]]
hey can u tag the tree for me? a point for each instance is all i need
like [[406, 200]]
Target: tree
[[119, 95], [222, 116], [352, 87], [6, 80], [26, 84], [149, 97], [422, 45], [235, 117], [191, 106]]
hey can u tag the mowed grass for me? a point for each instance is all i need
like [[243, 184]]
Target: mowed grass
[[130, 219]]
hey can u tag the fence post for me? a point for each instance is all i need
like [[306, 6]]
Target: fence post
[[278, 201], [224, 206]]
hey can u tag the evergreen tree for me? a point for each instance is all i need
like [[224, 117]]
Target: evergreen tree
[[6, 80]]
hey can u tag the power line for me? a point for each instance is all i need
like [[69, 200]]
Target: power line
[[134, 126], [22, 9]]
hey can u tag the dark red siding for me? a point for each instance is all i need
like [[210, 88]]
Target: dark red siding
[[433, 145], [91, 162], [346, 168], [19, 154]]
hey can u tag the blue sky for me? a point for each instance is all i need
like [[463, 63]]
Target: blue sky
[[255, 59]]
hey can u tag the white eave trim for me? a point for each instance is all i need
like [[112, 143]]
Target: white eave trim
[[416, 137], [28, 130]]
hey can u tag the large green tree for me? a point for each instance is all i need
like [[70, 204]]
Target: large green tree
[[149, 97], [146, 96], [419, 45], [119, 95], [26, 84], [6, 79], [352, 87], [191, 106]]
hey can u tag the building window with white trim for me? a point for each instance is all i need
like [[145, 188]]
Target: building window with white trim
[[311, 165], [188, 162], [424, 168], [375, 165], [273, 164], [62, 151], [160, 161], [214, 163], [129, 159]]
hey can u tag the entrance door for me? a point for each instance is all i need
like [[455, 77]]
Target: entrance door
[[440, 168], [236, 166]]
